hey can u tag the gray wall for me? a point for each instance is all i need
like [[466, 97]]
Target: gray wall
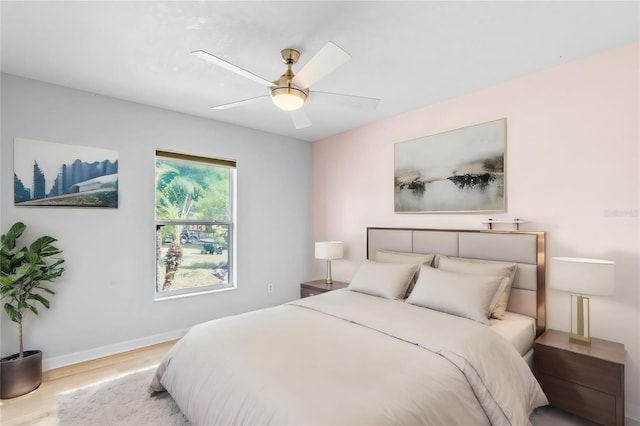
[[104, 301]]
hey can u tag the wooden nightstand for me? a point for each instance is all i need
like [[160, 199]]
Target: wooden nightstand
[[312, 288], [586, 380]]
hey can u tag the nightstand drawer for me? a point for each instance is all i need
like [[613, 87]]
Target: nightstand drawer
[[313, 288], [583, 370], [580, 400], [304, 292]]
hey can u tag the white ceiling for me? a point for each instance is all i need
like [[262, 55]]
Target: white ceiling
[[408, 54]]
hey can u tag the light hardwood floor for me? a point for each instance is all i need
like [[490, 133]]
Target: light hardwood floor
[[40, 407]]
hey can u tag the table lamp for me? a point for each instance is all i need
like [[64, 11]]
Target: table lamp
[[581, 277], [329, 250]]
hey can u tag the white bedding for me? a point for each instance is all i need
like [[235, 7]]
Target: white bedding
[[347, 358], [519, 330]]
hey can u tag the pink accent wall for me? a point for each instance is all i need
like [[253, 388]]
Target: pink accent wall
[[573, 153]]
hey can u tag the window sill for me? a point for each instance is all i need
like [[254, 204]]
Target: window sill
[[161, 297]]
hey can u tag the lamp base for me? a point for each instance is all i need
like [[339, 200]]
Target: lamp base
[[580, 320], [328, 280], [582, 340]]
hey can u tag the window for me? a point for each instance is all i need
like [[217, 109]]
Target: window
[[194, 224]]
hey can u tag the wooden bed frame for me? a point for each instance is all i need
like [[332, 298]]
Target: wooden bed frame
[[525, 248]]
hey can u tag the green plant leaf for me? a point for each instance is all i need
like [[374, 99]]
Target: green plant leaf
[[33, 309], [13, 313], [6, 292], [32, 257], [5, 281], [40, 299], [42, 246], [47, 290], [9, 239]]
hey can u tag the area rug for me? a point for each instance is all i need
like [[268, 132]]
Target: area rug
[[123, 401]]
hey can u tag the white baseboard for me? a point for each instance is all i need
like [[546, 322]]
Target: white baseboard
[[99, 352]]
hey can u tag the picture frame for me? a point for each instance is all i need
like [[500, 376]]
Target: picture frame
[[61, 175], [462, 170]]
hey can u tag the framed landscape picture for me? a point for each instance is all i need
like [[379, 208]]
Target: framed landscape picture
[[461, 170], [54, 174]]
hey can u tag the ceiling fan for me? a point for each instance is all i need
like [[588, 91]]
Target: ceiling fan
[[290, 91]]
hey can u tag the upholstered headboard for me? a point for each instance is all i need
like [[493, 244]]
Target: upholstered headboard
[[527, 249]]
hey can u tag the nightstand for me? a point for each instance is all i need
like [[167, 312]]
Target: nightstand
[[312, 288], [586, 380]]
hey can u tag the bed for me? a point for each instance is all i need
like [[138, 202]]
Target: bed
[[406, 343]]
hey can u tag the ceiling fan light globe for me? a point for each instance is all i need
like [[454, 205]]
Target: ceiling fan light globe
[[288, 98]]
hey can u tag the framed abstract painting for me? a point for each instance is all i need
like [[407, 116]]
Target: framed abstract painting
[[460, 170]]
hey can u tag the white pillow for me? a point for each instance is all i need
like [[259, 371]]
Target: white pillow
[[388, 256], [463, 295], [478, 267], [388, 280]]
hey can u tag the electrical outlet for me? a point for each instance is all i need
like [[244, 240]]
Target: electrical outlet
[[269, 288]]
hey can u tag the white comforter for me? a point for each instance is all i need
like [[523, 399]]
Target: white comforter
[[348, 358]]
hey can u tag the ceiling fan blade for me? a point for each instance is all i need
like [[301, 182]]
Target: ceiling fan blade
[[230, 67], [300, 118], [351, 101], [325, 61], [240, 103]]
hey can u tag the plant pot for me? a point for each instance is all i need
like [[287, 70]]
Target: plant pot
[[20, 375]]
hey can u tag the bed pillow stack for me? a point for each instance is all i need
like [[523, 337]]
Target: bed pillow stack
[[469, 288]]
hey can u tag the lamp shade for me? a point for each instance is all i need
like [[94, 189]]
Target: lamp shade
[[582, 276], [329, 250]]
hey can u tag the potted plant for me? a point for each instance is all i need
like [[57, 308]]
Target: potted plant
[[23, 276]]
